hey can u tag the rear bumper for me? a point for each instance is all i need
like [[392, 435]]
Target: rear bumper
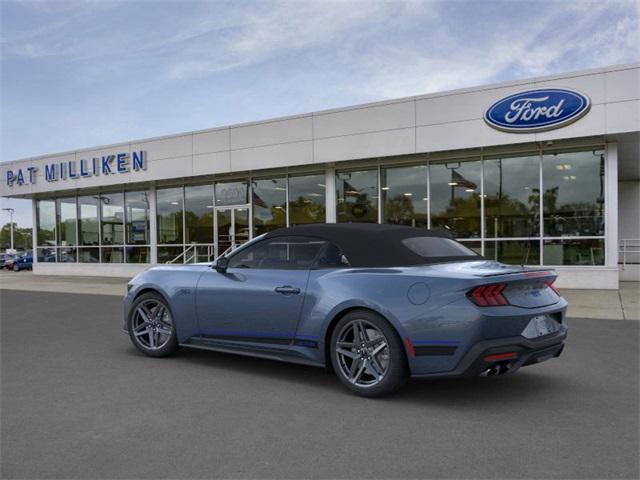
[[527, 352]]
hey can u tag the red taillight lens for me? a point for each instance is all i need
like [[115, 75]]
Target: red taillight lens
[[488, 295], [550, 284]]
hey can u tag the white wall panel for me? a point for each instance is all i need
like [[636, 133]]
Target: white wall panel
[[593, 123], [361, 120], [469, 134], [165, 169], [366, 145], [210, 163], [623, 116], [166, 147], [271, 133], [592, 85], [623, 85], [212, 141], [286, 154], [465, 106]]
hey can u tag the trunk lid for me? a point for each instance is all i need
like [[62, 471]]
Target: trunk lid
[[527, 287]]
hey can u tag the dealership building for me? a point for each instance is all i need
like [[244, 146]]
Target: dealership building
[[541, 171]]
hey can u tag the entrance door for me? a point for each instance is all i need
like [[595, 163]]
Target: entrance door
[[232, 228]]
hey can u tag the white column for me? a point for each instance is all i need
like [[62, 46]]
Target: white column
[[153, 227], [330, 193], [34, 230], [611, 205]]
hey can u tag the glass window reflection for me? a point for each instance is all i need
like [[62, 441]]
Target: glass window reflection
[[137, 218], [88, 227], [169, 207], [573, 198], [404, 196], [269, 199], [232, 193], [357, 196], [46, 218], [574, 252], [112, 218], [512, 196], [513, 252], [67, 221], [455, 198], [307, 199], [198, 213]]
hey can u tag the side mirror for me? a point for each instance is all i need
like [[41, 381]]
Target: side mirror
[[221, 264]]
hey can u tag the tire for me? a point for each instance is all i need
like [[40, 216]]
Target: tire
[[374, 374], [151, 334], [16, 268]]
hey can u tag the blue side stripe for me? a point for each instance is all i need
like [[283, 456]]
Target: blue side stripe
[[238, 333]]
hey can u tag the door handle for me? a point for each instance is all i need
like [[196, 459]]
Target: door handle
[[287, 290]]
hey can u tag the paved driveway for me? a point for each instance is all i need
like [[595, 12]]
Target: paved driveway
[[79, 402]]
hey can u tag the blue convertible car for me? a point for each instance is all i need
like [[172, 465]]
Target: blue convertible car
[[375, 303]]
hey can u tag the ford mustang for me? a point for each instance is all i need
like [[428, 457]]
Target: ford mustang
[[374, 303]]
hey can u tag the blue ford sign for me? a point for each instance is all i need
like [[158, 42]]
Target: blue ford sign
[[537, 110]]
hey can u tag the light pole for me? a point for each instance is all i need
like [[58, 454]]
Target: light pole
[[11, 212]]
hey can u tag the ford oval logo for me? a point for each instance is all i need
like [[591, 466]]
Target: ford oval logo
[[537, 110]]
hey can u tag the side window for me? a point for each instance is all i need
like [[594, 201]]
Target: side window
[[285, 253], [332, 257]]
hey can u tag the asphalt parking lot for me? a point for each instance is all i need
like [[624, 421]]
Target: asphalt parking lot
[[79, 402]]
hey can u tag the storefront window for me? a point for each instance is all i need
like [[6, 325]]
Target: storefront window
[[67, 221], [269, 199], [512, 196], [574, 252], [573, 198], [455, 198], [169, 207], [88, 226], [89, 255], [513, 252], [198, 213], [307, 199], [357, 196], [46, 222], [112, 218], [232, 193], [405, 200], [137, 254], [137, 218]]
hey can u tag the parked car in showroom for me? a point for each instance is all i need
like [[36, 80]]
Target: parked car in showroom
[[374, 303], [23, 262]]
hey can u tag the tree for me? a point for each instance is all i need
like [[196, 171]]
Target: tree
[[21, 237]]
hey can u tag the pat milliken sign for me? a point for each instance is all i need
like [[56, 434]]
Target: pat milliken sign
[[117, 163], [537, 110]]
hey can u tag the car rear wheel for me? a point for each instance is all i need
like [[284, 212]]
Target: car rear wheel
[[367, 354], [16, 268], [151, 327]]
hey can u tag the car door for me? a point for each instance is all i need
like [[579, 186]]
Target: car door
[[258, 300]]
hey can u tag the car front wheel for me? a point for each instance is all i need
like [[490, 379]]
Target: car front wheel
[[151, 326], [367, 354], [16, 268]]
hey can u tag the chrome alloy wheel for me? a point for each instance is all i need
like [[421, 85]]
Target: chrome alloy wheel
[[151, 324], [362, 352]]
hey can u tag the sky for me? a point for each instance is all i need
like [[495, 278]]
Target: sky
[[86, 73]]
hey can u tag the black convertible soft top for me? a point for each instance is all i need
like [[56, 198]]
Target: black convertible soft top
[[375, 245]]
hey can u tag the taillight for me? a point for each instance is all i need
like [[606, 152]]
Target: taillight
[[550, 284], [488, 295]]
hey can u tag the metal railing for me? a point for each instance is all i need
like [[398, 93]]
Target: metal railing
[[190, 253], [628, 248]]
